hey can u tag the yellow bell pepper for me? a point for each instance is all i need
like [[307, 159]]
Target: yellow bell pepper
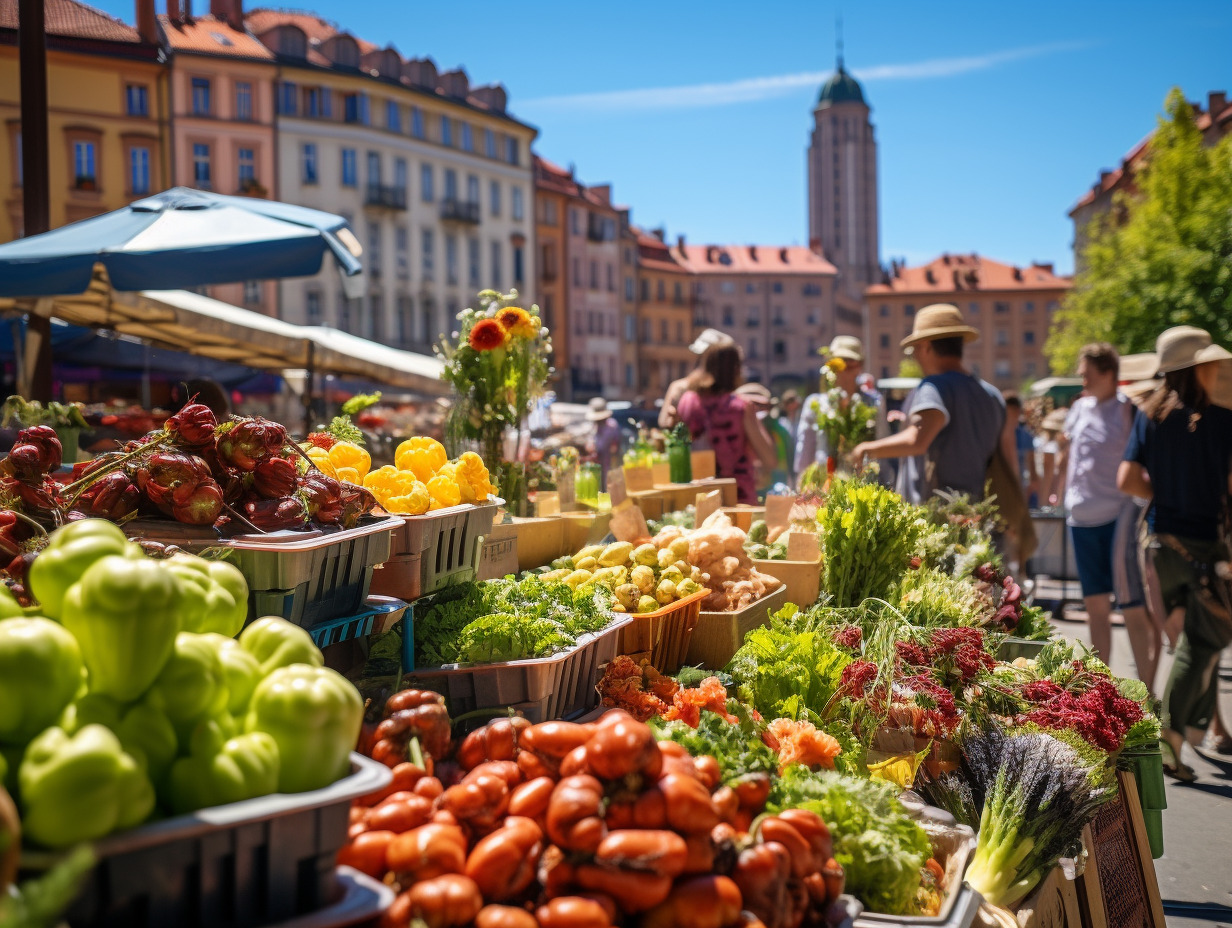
[[474, 481], [423, 456], [320, 457], [414, 503], [354, 459], [387, 482], [444, 491]]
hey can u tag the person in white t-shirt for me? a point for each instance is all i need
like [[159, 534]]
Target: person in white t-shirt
[[1092, 445]]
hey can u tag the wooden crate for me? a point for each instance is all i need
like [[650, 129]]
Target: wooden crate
[[1054, 904], [1120, 889]]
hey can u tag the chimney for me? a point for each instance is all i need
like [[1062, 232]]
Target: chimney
[[147, 22], [230, 12], [753, 252], [783, 255], [1044, 266], [680, 243], [173, 12], [1216, 100], [186, 14]]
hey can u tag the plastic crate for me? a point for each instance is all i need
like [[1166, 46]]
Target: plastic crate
[[719, 635], [363, 900], [245, 864], [577, 693], [447, 543], [953, 846], [663, 637], [378, 614]]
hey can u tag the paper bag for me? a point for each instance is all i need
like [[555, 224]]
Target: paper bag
[[628, 523], [707, 504], [617, 490], [636, 479], [778, 513], [803, 546]]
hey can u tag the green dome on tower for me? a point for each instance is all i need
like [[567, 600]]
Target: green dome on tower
[[840, 88]]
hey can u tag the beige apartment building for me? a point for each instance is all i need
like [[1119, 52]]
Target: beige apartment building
[[1012, 307], [665, 313], [434, 176], [777, 301]]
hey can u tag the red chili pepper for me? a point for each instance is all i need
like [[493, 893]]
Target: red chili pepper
[[170, 478], [201, 507], [113, 496]]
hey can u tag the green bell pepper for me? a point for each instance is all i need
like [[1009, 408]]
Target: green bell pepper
[[314, 714], [275, 643], [219, 771], [70, 550], [240, 670], [125, 614], [9, 606], [40, 673], [80, 787], [144, 730], [218, 594], [192, 685]]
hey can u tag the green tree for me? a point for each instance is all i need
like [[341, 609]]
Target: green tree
[[1163, 255]]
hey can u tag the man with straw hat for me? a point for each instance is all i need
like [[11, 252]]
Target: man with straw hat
[[954, 418], [1179, 457]]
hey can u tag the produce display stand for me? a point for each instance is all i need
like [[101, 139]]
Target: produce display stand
[[718, 635], [663, 637], [1053, 904], [743, 516], [680, 495], [1010, 649], [1120, 886], [305, 577], [653, 503], [585, 527], [802, 578], [246, 864], [431, 551], [540, 539]]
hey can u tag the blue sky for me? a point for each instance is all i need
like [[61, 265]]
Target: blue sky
[[992, 118]]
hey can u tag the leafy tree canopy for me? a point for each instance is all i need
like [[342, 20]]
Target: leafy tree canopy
[[1163, 255]]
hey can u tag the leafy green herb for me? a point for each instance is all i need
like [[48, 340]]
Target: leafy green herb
[[737, 747], [870, 535], [359, 402], [27, 413], [343, 429], [880, 847]]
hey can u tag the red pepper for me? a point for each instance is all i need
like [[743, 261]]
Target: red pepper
[[249, 442], [202, 507], [35, 453], [193, 426], [274, 478], [13, 532], [32, 497], [170, 477], [276, 515]]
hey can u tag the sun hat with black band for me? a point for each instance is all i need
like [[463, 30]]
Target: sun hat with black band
[[1134, 368], [1185, 346], [598, 410], [939, 320]]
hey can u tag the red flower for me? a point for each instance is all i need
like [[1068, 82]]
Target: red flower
[[911, 653], [321, 440], [856, 678], [193, 425], [274, 478], [487, 334]]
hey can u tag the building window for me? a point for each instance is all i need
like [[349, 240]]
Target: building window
[[489, 143], [729, 316], [629, 376], [908, 310], [400, 174], [1028, 369], [468, 140], [1002, 369], [472, 262], [312, 102], [594, 275], [374, 249], [884, 311], [577, 272], [753, 348], [645, 291], [451, 259], [427, 322], [1028, 338], [312, 307], [728, 287], [754, 317], [495, 281], [494, 197], [402, 249], [629, 292], [749, 288], [973, 308], [247, 168], [393, 116], [374, 168], [344, 312], [137, 100], [1001, 307], [376, 326], [575, 222], [350, 168], [139, 170], [355, 108], [512, 150], [201, 166], [252, 293], [417, 122], [426, 176], [200, 96], [519, 271], [780, 350], [1003, 338], [472, 189], [405, 312], [428, 257], [663, 331], [1028, 307], [308, 161], [288, 99], [1053, 306], [885, 340], [611, 278], [778, 286], [446, 131], [451, 184]]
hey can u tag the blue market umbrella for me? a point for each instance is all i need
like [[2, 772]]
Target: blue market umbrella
[[178, 239]]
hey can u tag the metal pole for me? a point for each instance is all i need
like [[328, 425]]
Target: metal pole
[[36, 174], [312, 350]]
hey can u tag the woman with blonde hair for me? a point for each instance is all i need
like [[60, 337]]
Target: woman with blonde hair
[[1179, 457]]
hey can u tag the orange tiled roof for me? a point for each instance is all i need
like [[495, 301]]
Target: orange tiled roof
[[966, 273], [756, 259], [316, 28], [74, 20], [208, 36]]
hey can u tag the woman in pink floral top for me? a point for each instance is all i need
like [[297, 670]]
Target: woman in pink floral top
[[719, 419]]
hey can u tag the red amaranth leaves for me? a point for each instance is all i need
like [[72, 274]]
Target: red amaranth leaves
[[1100, 715]]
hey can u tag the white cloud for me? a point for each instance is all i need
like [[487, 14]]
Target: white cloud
[[753, 89]]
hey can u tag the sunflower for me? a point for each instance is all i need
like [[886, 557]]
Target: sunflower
[[837, 365], [517, 321], [487, 334]]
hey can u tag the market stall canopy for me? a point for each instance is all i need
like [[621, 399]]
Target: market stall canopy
[[209, 328], [181, 238]]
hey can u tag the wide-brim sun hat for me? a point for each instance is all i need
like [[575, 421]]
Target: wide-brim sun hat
[[847, 347], [754, 391], [1138, 367], [598, 410], [708, 339], [1185, 346], [939, 320]]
